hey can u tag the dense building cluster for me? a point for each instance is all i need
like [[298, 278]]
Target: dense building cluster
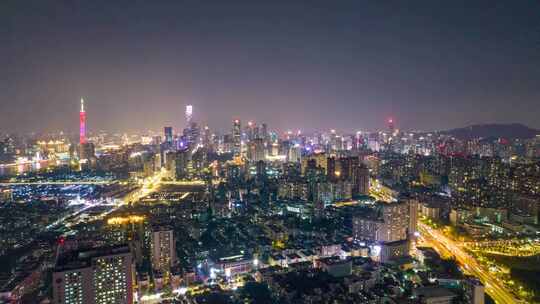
[[256, 216]]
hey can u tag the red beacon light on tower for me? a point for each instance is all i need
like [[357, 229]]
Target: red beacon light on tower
[[391, 127]]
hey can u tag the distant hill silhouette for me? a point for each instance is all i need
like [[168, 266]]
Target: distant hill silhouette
[[510, 131]]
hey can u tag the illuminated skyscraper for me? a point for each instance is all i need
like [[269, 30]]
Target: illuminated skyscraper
[[189, 115], [168, 134], [82, 124], [237, 137], [294, 153], [250, 130], [391, 126], [192, 132], [253, 131], [264, 132], [206, 137]]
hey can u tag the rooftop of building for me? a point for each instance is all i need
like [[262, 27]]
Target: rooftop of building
[[433, 292], [334, 261], [82, 258]]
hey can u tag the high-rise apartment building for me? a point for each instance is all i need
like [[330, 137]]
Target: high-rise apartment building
[[96, 276], [178, 164], [395, 217], [413, 217], [361, 180], [256, 150], [163, 250], [320, 160], [389, 222], [388, 226]]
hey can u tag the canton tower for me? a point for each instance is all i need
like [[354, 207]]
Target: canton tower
[[82, 124]]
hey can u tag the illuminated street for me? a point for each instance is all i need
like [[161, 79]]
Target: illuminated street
[[447, 247], [516, 248], [148, 186], [381, 192]]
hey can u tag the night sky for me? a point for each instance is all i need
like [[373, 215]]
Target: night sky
[[347, 65]]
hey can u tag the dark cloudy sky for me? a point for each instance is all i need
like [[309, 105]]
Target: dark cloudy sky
[[293, 64]]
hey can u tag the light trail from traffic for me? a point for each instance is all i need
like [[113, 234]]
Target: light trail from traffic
[[380, 192], [445, 246]]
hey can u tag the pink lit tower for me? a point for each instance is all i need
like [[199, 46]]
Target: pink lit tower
[[82, 124]]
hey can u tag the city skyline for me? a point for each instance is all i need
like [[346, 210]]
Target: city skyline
[[292, 152], [346, 66], [388, 124]]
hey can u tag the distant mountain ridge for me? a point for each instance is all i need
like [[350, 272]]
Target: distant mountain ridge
[[510, 131]]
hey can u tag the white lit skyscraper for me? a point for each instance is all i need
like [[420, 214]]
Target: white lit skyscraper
[[237, 137], [191, 132], [189, 115]]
